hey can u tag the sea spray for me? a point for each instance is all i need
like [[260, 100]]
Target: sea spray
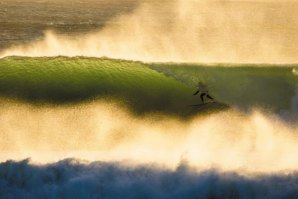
[[183, 31], [103, 131]]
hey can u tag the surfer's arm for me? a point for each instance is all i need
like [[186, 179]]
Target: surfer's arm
[[196, 92]]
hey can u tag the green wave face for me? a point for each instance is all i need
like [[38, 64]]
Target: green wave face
[[66, 80], [245, 86], [144, 87]]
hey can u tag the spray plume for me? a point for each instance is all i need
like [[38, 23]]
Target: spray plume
[[103, 131], [186, 31]]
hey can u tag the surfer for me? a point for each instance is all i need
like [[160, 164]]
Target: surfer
[[202, 88]]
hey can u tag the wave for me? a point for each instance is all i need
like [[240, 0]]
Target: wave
[[66, 80], [72, 179], [242, 85], [146, 87]]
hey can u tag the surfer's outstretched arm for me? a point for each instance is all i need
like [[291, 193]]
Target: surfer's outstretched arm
[[196, 92]]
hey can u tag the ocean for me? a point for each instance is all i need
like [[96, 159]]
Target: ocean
[[97, 99]]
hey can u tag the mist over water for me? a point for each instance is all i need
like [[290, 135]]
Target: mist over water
[[255, 142], [185, 31]]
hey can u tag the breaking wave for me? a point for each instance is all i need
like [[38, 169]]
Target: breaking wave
[[71, 179], [166, 88]]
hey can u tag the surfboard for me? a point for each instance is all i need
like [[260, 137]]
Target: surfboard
[[208, 106], [204, 104]]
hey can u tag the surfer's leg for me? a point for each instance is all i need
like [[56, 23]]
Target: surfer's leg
[[209, 97], [202, 96]]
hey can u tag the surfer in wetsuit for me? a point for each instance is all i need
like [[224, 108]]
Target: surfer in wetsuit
[[202, 88]]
